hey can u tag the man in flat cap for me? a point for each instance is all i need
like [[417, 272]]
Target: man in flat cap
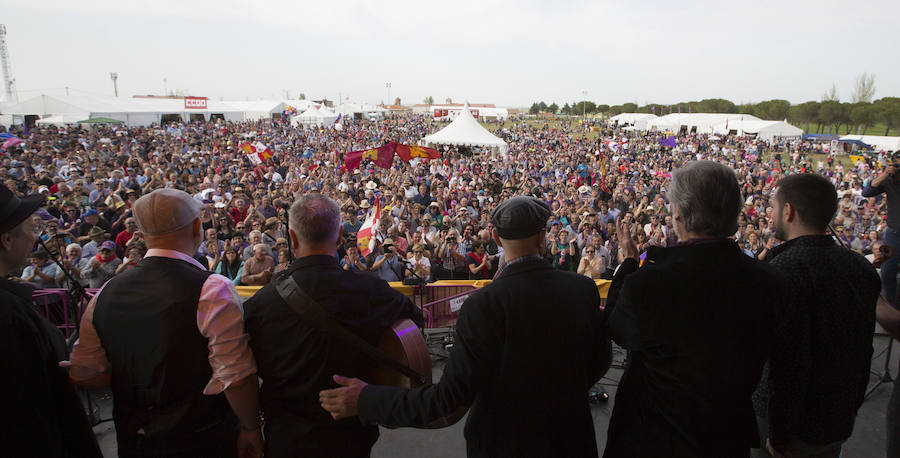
[[169, 337], [528, 347], [41, 414]]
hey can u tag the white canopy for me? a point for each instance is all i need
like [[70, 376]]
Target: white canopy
[[701, 123], [879, 142], [315, 116], [638, 120], [465, 131], [63, 119], [764, 130]]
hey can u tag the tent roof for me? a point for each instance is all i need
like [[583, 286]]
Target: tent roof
[[754, 126], [631, 117], [61, 119], [53, 105], [465, 131], [878, 142]]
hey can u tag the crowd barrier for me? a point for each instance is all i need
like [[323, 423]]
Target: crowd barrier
[[56, 305], [440, 301]]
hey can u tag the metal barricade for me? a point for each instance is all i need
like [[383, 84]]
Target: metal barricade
[[56, 306], [440, 303]]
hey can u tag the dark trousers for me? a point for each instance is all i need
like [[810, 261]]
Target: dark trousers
[[285, 439], [222, 444]]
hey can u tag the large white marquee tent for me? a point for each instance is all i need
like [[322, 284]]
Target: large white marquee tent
[[878, 142], [764, 130], [637, 120], [701, 123], [465, 131], [131, 111]]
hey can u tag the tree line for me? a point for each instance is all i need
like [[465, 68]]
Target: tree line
[[826, 116], [829, 115]]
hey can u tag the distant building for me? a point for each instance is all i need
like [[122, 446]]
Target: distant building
[[449, 111]]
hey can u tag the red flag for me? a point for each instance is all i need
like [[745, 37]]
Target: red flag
[[365, 238], [383, 156], [408, 152]]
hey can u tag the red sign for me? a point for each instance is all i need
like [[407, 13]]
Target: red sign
[[196, 103]]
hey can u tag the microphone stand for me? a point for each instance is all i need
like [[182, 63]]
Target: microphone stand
[[76, 294], [885, 376]]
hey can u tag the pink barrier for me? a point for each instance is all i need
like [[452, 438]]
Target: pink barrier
[[440, 303], [56, 306]]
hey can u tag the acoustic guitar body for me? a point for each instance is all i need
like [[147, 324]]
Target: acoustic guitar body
[[404, 343]]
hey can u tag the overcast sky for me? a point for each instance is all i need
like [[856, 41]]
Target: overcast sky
[[486, 51]]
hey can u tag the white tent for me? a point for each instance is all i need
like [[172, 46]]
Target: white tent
[[879, 142], [63, 119], [701, 123], [465, 131], [132, 111], [315, 117], [764, 130], [638, 120], [256, 110]]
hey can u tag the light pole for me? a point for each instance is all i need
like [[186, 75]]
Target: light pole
[[388, 87], [583, 104], [115, 78], [165, 87]]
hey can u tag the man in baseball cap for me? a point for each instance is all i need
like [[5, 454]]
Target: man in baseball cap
[[497, 328], [42, 415], [174, 334]]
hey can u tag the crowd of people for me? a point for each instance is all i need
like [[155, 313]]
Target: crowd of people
[[570, 202], [434, 214]]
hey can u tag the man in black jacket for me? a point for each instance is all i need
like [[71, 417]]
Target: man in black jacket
[[819, 368], [698, 320], [42, 415], [296, 359], [527, 349]]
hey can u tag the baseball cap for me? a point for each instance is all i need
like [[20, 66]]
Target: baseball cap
[[108, 245]]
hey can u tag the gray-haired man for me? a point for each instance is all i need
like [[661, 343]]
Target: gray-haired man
[[296, 359], [698, 319]]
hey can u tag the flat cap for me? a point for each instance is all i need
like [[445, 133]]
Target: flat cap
[[165, 210], [520, 217]]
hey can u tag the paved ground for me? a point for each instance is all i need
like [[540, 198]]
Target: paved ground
[[867, 440]]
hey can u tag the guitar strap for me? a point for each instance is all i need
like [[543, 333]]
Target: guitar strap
[[313, 313]]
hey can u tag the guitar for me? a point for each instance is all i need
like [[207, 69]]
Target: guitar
[[403, 342]]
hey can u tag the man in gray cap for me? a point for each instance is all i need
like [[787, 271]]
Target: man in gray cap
[[169, 337], [528, 347]]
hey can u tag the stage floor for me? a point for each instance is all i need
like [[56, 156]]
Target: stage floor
[[867, 440]]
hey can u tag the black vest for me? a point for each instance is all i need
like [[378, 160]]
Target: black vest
[[146, 318]]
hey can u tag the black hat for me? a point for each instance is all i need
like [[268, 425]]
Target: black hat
[[520, 217], [14, 210]]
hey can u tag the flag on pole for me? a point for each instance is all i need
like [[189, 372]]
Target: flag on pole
[[12, 141], [409, 152], [365, 238], [383, 156]]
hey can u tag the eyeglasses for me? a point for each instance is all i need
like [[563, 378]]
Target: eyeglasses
[[589, 251]]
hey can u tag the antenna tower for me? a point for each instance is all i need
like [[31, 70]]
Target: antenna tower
[[9, 83]]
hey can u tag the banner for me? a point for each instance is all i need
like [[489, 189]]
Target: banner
[[409, 152], [383, 156], [195, 103]]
